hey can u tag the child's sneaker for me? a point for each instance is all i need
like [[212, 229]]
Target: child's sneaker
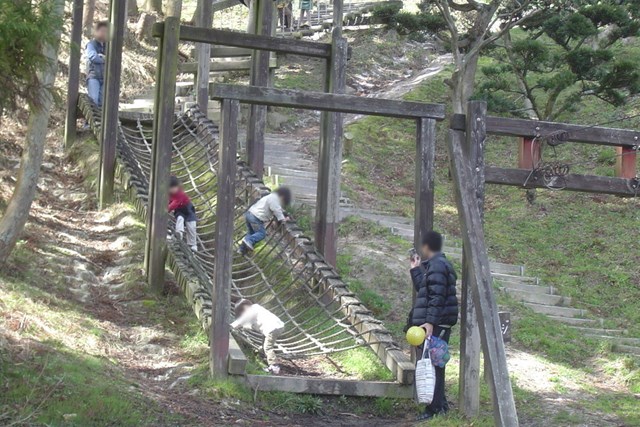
[[247, 245], [273, 369]]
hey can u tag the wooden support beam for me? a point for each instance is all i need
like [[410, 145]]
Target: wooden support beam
[[257, 124], [109, 131], [203, 56], [229, 52], [535, 128], [329, 102], [330, 159], [221, 292], [470, 347], [504, 408], [571, 182], [218, 65], [164, 117], [250, 41], [237, 359], [338, 13], [424, 179], [73, 86], [219, 5], [626, 162], [332, 387], [529, 153]]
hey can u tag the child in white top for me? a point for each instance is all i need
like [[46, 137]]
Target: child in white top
[[259, 319], [261, 212]]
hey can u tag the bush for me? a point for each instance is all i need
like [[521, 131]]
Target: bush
[[417, 26], [25, 27]]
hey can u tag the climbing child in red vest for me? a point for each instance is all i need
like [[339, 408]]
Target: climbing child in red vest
[[184, 212]]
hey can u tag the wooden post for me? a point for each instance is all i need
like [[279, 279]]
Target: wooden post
[[529, 153], [626, 162], [483, 297], [221, 292], [259, 77], [164, 117], [425, 179], [109, 132], [73, 87], [337, 13], [469, 379], [328, 193], [204, 57]]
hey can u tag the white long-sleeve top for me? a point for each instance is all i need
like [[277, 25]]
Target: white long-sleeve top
[[259, 319], [267, 207]]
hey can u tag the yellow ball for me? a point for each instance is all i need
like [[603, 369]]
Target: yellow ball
[[416, 336]]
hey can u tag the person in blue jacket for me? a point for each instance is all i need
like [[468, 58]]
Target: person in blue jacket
[[96, 51]]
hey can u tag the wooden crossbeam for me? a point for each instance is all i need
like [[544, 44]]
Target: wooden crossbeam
[[219, 5], [532, 128], [329, 102], [330, 386], [234, 65], [249, 41], [571, 182]]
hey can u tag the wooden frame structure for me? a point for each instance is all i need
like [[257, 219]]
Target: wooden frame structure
[[467, 141]]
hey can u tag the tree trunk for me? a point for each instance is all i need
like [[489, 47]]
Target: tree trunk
[[463, 82], [15, 217], [153, 6], [87, 20]]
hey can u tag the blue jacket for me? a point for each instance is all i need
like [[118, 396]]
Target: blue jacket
[[95, 62], [435, 285]]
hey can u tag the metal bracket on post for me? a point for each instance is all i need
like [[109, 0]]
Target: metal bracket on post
[[109, 131]]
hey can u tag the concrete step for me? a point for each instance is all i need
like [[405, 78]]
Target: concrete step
[[600, 331], [537, 289], [553, 310], [517, 278], [628, 349], [634, 342], [537, 297], [576, 321]]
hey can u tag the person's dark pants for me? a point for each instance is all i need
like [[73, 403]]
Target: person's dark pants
[[439, 402]]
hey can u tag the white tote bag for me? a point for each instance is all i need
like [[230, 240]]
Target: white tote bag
[[425, 377]]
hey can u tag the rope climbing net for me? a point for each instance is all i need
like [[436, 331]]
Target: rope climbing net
[[280, 275]]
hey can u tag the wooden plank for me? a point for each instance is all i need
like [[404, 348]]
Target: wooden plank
[[250, 41], [157, 218], [229, 52], [571, 182], [73, 86], [221, 292], [504, 408], [332, 387], [237, 359], [219, 66], [203, 56], [257, 124], [329, 102], [626, 162], [533, 128], [470, 345], [109, 131], [330, 159]]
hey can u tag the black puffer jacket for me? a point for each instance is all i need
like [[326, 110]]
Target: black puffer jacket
[[435, 285]]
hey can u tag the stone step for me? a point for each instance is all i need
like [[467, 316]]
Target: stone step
[[516, 278], [600, 331], [628, 349], [634, 342], [553, 310], [576, 321], [524, 287], [537, 297]]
